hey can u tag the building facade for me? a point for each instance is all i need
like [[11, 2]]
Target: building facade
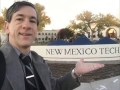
[[46, 36]]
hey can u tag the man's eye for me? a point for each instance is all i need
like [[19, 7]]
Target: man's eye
[[19, 19], [33, 21]]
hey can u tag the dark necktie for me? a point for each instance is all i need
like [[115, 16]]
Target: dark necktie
[[29, 74]]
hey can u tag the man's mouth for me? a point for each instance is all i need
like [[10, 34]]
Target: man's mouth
[[25, 34]]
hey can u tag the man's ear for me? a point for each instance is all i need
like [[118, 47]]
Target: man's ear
[[6, 27]]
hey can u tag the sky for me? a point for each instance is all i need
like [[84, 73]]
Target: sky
[[62, 11]]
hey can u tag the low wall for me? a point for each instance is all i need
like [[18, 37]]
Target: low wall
[[103, 53]]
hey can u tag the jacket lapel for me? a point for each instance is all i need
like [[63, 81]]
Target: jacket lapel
[[14, 70], [42, 71]]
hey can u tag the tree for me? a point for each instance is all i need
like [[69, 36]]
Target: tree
[[65, 33], [43, 18], [110, 20], [2, 18], [4, 13], [88, 22], [84, 22], [1, 22]]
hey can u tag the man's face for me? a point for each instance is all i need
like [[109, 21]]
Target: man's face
[[22, 29]]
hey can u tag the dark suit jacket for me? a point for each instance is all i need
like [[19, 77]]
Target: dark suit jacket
[[2, 69], [14, 78]]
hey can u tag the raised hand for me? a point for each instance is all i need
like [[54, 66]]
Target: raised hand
[[82, 67]]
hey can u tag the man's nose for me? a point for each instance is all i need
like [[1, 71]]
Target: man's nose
[[26, 24]]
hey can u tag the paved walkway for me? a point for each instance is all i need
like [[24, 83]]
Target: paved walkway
[[105, 84]]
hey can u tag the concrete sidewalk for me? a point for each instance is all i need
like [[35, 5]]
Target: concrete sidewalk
[[112, 83]]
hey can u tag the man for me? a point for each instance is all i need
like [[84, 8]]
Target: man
[[21, 27]]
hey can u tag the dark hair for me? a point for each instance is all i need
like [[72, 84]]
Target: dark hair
[[17, 6]]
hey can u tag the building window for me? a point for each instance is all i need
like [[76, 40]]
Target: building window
[[42, 38], [46, 38]]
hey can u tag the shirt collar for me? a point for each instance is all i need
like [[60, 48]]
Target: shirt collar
[[19, 52]]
